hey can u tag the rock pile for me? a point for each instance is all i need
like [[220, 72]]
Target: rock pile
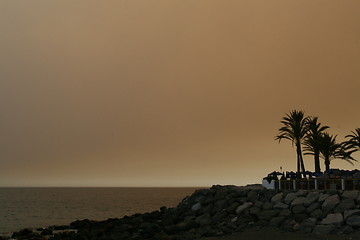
[[223, 210]]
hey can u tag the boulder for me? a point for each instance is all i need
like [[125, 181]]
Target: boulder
[[330, 203], [187, 224], [353, 221], [298, 201], [298, 209], [254, 211], [243, 207], [196, 207], [345, 204], [280, 205], [350, 194], [333, 219], [277, 197], [301, 193], [307, 225], [311, 198], [285, 213], [323, 229], [204, 219], [318, 214], [323, 197], [313, 207], [258, 204], [346, 229], [23, 233], [252, 196], [299, 217], [289, 198], [288, 224], [267, 206], [231, 208], [276, 221], [309, 222], [349, 213], [267, 214]]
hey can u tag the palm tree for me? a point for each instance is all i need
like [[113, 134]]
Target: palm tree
[[354, 142], [294, 130], [330, 149], [311, 141]]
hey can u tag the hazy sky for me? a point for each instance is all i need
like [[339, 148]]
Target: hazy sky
[[169, 93]]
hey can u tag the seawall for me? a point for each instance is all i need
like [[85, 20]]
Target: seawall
[[223, 210]]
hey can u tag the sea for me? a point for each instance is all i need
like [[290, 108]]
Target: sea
[[40, 207]]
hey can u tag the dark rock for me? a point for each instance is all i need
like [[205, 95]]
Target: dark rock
[[311, 198], [353, 221], [298, 201], [276, 221], [349, 213], [219, 216], [47, 231], [346, 229], [287, 224], [330, 203], [61, 227], [267, 214], [259, 204], [298, 209], [267, 206], [300, 217], [281, 205], [243, 207], [252, 196], [323, 197], [265, 196], [323, 229], [345, 204], [204, 219], [289, 198], [79, 224], [219, 206], [232, 207], [318, 214], [309, 222], [313, 207], [350, 195], [301, 193], [254, 211], [23, 233], [277, 198], [196, 207], [285, 213], [187, 224], [333, 219]]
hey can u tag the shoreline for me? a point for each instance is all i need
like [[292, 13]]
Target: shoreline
[[228, 213]]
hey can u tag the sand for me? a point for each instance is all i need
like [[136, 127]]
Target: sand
[[273, 234]]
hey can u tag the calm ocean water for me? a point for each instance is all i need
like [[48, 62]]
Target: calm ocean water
[[39, 207]]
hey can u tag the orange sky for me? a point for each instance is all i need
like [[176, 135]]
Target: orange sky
[[169, 93]]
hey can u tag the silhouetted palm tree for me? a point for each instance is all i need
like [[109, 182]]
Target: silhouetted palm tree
[[311, 141], [330, 149], [294, 129], [353, 143]]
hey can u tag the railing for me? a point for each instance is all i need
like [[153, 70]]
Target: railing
[[318, 184]]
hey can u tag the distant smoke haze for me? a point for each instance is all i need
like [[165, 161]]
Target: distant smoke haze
[[169, 93]]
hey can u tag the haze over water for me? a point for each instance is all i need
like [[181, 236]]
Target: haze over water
[[169, 93]]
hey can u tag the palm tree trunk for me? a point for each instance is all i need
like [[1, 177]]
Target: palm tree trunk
[[327, 164], [298, 174], [317, 161], [300, 158]]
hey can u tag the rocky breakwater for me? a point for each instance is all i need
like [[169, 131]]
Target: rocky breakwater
[[223, 210]]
